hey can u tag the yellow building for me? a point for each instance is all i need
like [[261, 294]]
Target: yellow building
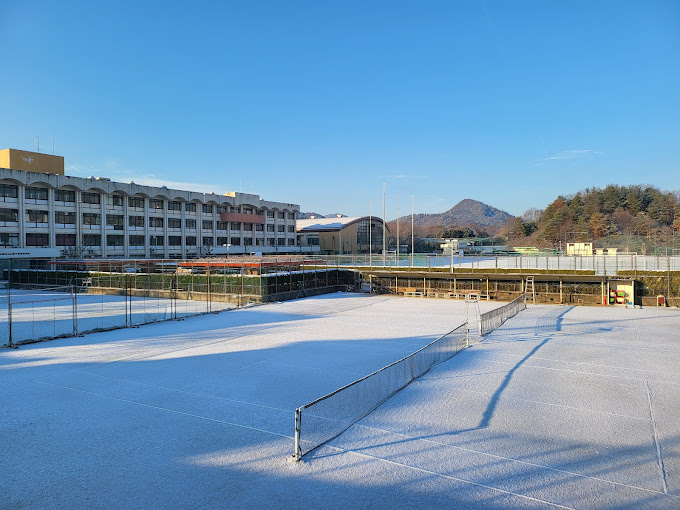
[[31, 161]]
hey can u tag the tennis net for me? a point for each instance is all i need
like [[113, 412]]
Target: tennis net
[[329, 416]]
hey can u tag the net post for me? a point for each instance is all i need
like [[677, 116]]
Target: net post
[[298, 424], [74, 296]]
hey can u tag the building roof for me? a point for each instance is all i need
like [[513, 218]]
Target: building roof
[[329, 224]]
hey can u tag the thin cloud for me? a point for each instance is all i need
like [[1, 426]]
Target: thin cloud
[[144, 179], [406, 176], [573, 154]]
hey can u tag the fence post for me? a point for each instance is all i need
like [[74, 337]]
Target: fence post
[[298, 425]]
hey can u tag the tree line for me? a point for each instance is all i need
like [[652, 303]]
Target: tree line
[[594, 213]]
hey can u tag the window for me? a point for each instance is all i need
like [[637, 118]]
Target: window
[[33, 193], [236, 227], [270, 214], [91, 219], [248, 241], [270, 242], [291, 242], [136, 221], [291, 228], [190, 241], [136, 202], [64, 195], [156, 222], [175, 205], [222, 225], [270, 228], [207, 241], [9, 215], [222, 241], [247, 210], [259, 227], [8, 191], [115, 220], [37, 239], [190, 223], [236, 241], [312, 241], [115, 241], [281, 241], [157, 241], [114, 200], [64, 218], [291, 216], [156, 203], [248, 227], [259, 242], [222, 209], [137, 241], [207, 225], [280, 215], [174, 223], [90, 198], [34, 216], [207, 208], [7, 239], [92, 239], [65, 240], [190, 207], [281, 228]]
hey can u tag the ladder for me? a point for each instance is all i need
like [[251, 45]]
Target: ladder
[[530, 288], [474, 300]]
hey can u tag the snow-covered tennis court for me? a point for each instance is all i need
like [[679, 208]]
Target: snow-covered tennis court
[[561, 406], [50, 314]]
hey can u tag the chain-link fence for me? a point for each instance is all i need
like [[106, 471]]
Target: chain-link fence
[[595, 264], [68, 298]]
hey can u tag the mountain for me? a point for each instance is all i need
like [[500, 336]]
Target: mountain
[[466, 213], [307, 215]]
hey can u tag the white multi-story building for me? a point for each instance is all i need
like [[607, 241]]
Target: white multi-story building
[[44, 213]]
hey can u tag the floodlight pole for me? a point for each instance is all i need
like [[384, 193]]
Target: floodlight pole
[[383, 218], [412, 234], [397, 232], [370, 235]]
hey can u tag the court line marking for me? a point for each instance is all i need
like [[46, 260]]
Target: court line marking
[[453, 478], [255, 429], [529, 365], [574, 408], [159, 408], [659, 458], [510, 459]]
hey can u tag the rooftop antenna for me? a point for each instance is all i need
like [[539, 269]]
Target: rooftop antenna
[[37, 141], [53, 142]]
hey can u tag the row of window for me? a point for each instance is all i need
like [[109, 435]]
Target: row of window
[[116, 220], [134, 241], [61, 195]]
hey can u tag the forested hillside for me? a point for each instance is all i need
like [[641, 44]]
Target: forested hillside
[[594, 214]]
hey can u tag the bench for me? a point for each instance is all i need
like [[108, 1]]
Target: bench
[[412, 292]]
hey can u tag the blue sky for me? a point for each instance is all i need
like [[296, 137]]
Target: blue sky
[[319, 103]]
